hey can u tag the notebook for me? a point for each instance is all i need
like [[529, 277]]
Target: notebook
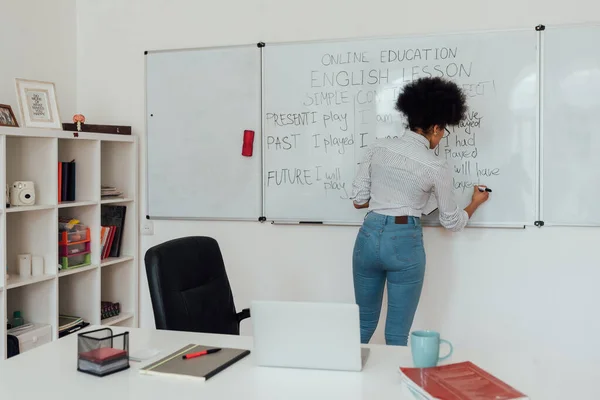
[[459, 381], [201, 368]]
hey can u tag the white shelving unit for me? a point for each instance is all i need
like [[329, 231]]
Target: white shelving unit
[[101, 159]]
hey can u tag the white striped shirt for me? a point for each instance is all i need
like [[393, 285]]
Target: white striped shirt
[[398, 176]]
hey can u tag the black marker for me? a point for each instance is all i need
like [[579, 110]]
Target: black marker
[[482, 189]]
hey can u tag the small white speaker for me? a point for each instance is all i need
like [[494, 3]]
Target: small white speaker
[[24, 265], [37, 265]]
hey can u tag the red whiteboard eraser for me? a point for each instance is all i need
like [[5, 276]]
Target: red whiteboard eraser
[[248, 145]]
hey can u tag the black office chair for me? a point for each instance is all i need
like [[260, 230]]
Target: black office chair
[[189, 287]]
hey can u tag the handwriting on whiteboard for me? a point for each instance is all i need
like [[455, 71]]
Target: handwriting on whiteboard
[[349, 102], [459, 146]]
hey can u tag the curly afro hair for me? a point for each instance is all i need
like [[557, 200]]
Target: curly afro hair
[[432, 101]]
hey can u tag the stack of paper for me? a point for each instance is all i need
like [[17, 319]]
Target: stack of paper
[[461, 381], [110, 191], [103, 361]]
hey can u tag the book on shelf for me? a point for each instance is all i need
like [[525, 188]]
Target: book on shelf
[[67, 321], [66, 181], [107, 192], [112, 219], [68, 324], [106, 238], [74, 329], [458, 381]]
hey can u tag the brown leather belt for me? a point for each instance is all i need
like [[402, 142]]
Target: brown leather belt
[[403, 219]]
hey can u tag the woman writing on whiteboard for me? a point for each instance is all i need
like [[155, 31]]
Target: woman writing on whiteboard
[[395, 181]]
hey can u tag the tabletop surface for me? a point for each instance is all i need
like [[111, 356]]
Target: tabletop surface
[[51, 371]]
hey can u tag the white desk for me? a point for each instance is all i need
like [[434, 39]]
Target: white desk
[[49, 373]]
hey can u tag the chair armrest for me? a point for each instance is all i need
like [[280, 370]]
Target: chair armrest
[[245, 313]]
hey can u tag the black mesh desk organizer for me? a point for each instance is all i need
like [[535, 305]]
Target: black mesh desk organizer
[[101, 353]]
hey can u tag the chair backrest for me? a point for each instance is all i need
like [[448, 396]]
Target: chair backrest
[[189, 287]]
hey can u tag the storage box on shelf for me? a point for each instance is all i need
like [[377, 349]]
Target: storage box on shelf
[[36, 155], [32, 335], [83, 222], [74, 246]]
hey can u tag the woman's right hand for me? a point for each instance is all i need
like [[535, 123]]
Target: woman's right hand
[[479, 197]]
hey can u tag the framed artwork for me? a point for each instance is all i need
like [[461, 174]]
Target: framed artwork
[[7, 117], [37, 101]]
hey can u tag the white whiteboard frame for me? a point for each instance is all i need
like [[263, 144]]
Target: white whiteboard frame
[[509, 225], [263, 189], [540, 126], [256, 137]]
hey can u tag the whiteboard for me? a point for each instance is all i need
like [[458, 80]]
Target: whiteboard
[[324, 102], [198, 104], [571, 144]]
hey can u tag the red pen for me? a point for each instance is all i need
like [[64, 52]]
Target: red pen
[[200, 353]]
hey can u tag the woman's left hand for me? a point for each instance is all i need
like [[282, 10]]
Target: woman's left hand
[[359, 206]]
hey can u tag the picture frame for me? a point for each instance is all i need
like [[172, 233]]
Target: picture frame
[[7, 116], [38, 104]]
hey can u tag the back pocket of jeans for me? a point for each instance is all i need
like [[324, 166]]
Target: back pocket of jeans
[[361, 241], [406, 247]]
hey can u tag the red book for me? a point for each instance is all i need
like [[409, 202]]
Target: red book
[[460, 381], [109, 241], [59, 182]]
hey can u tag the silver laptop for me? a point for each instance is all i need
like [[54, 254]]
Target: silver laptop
[[307, 335]]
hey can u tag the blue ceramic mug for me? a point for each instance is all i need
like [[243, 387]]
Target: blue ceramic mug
[[425, 348]]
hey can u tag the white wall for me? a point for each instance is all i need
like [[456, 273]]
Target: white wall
[[39, 42], [530, 288]]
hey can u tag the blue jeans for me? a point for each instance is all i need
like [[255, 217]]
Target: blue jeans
[[394, 252]]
